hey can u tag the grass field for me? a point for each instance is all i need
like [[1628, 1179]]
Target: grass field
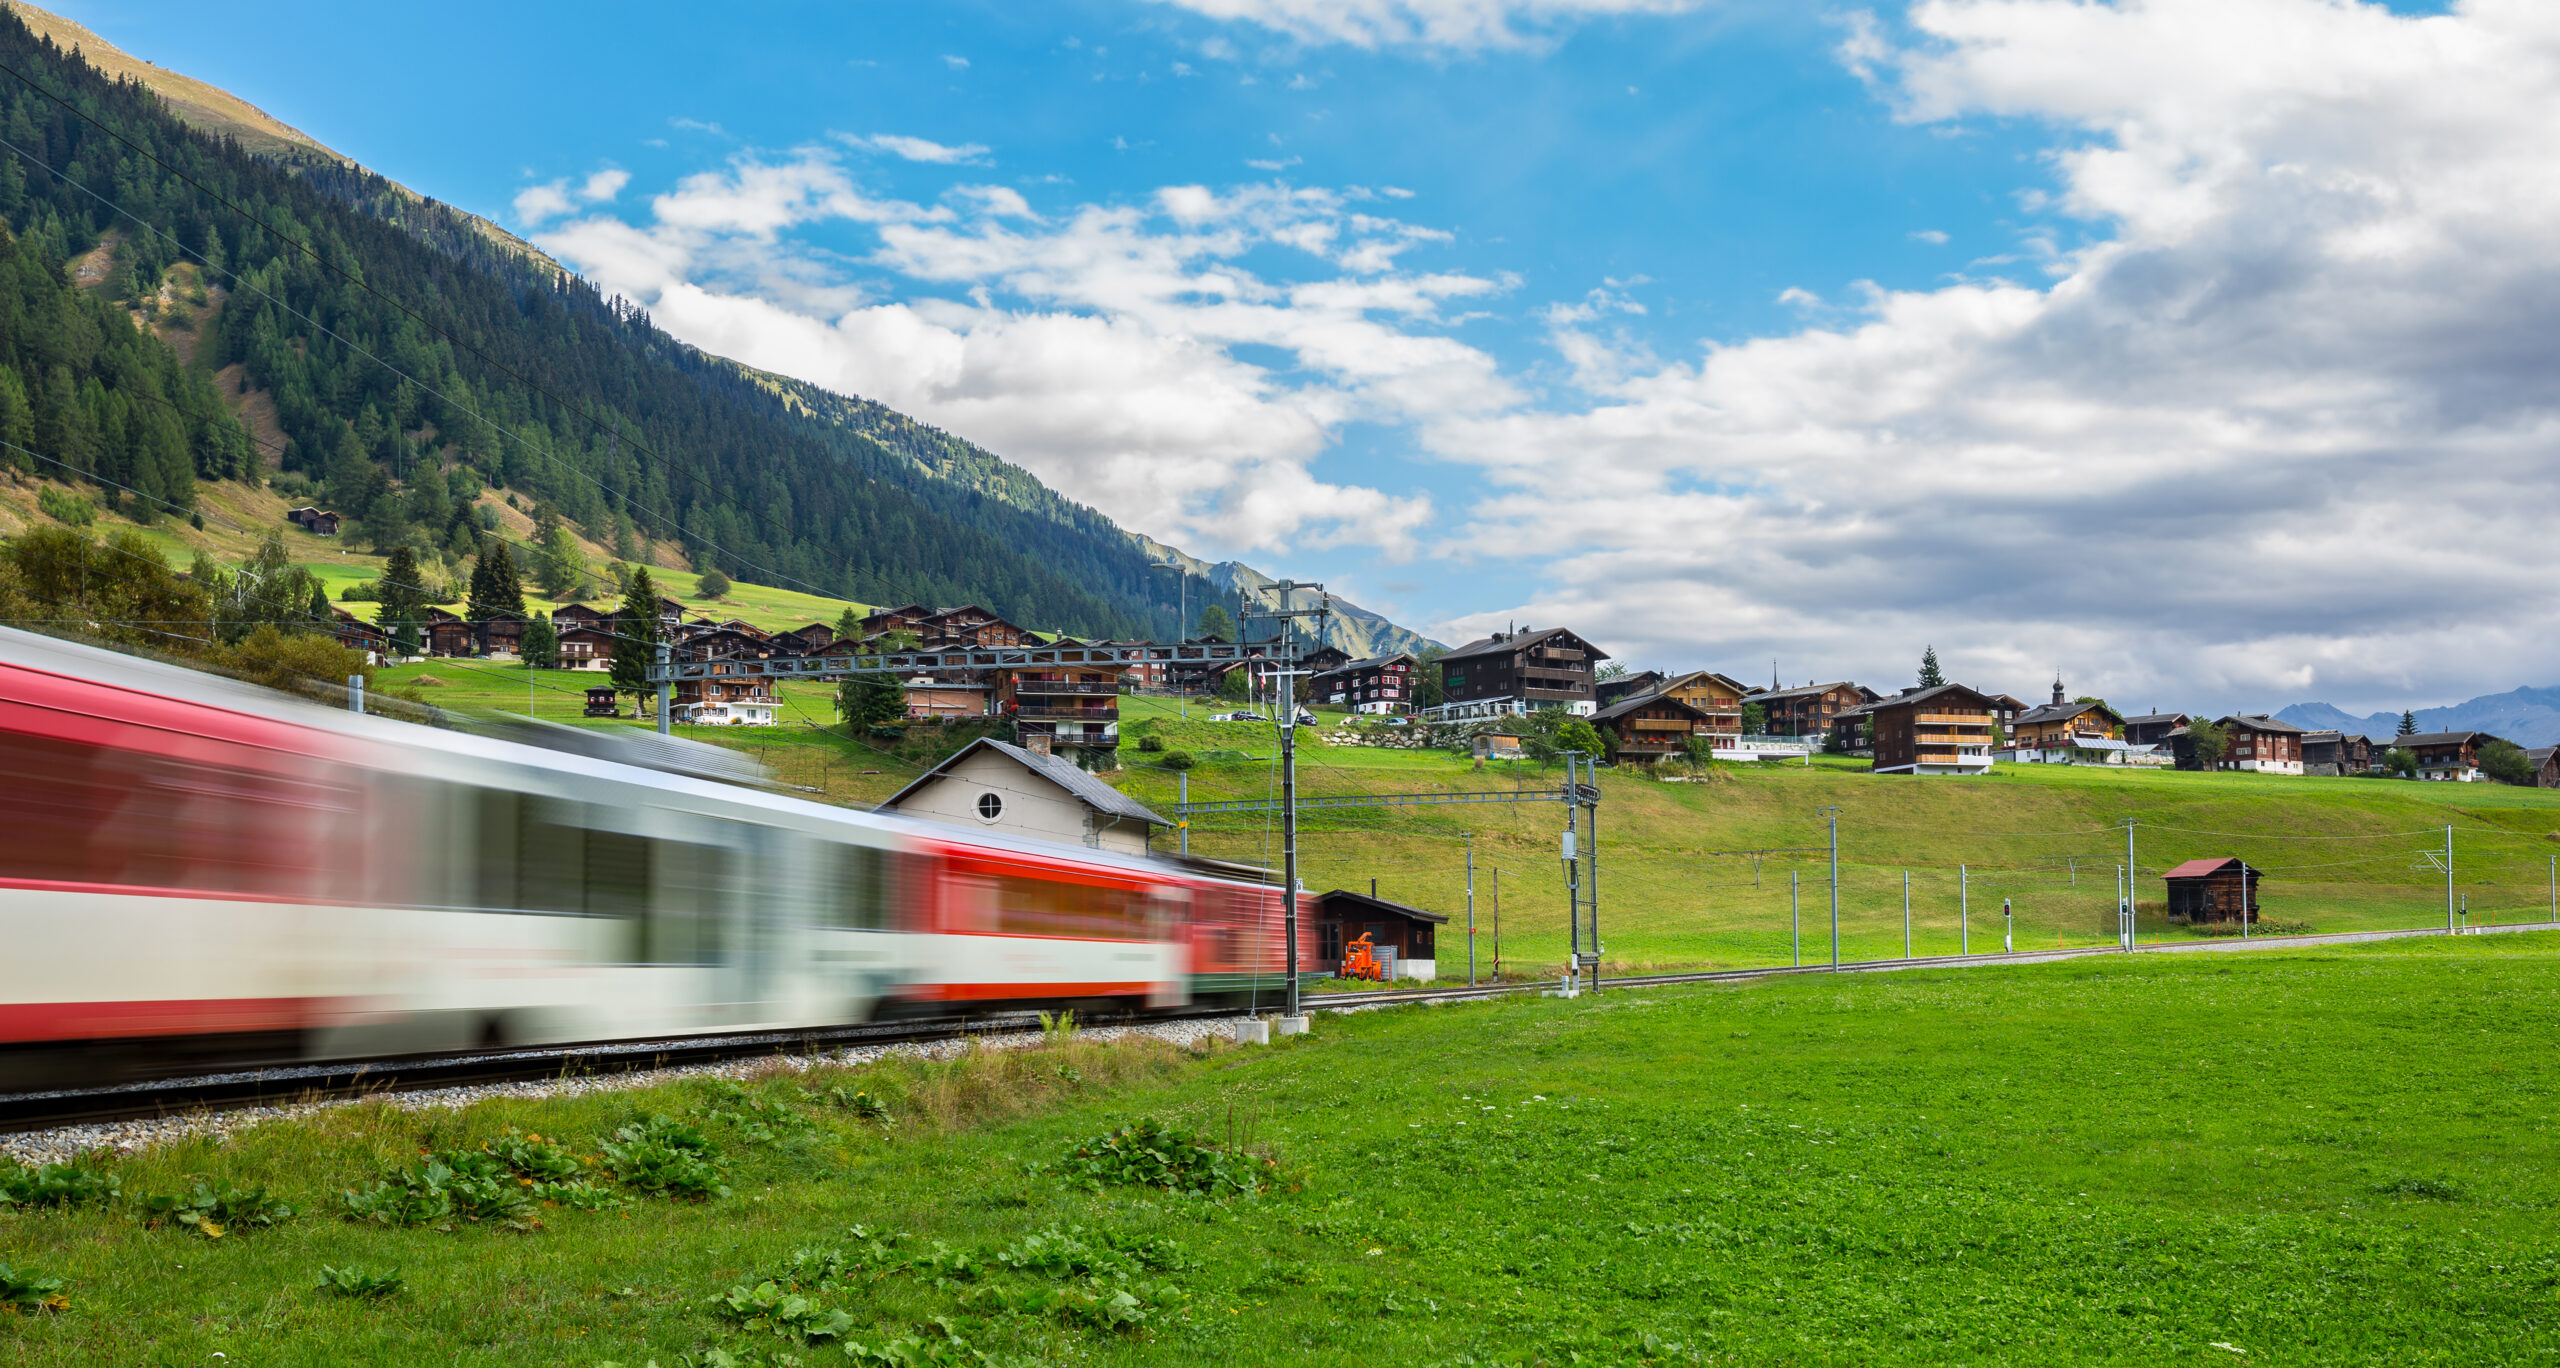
[[2342, 1156]]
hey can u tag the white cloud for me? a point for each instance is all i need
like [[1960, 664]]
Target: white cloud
[[603, 185], [541, 203], [2286, 429], [1932, 236], [1453, 25], [920, 149], [956, 63], [1099, 346]]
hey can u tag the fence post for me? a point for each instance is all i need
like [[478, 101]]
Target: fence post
[[1906, 914], [1795, 917]]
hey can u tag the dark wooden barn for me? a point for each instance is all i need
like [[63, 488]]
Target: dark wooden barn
[[2212, 890], [1341, 917]]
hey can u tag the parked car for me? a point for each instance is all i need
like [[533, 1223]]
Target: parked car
[[1238, 717]]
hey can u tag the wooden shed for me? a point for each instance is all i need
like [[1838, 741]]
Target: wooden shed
[[2212, 890], [1341, 917]]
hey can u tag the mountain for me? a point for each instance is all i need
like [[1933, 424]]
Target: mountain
[[521, 376], [2529, 717]]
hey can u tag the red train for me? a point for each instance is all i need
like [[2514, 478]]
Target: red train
[[198, 872]]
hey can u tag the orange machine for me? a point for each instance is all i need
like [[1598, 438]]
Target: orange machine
[[1359, 963]]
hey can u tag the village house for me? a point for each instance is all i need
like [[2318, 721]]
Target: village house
[[1940, 730], [2261, 744], [1518, 672], [584, 645], [2212, 890], [2067, 733], [1608, 691], [1404, 939], [813, 639], [2546, 766], [1379, 684], [316, 521], [989, 785], [906, 617], [2452, 757], [2332, 754], [356, 634], [448, 635], [969, 628], [718, 702], [2005, 710], [946, 694], [1807, 711], [1648, 727], [2153, 729], [1062, 707]]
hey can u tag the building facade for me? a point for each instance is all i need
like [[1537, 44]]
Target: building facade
[[1064, 707], [2260, 744], [1940, 730], [1520, 672], [1648, 727], [1809, 710], [1379, 684]]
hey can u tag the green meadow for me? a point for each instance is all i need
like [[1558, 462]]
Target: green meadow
[[2285, 1156]]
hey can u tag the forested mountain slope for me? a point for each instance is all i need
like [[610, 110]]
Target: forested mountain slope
[[414, 353]]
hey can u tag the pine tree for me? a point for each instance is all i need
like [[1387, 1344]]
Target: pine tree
[[849, 625], [558, 565], [870, 700], [496, 595], [2408, 723], [402, 593], [635, 635], [320, 614], [1930, 675], [541, 644], [1215, 622]]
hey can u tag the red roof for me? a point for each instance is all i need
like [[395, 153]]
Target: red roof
[[2197, 869]]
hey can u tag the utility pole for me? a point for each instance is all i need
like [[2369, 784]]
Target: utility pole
[[1795, 916], [1834, 814], [1964, 911], [1471, 909], [1497, 923], [2448, 878], [1573, 867], [2246, 901], [1592, 830], [1906, 914], [1182, 781], [666, 694], [1286, 616], [2131, 932]]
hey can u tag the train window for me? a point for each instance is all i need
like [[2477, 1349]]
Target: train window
[[86, 814], [552, 866], [497, 822], [617, 873], [858, 892], [688, 904]]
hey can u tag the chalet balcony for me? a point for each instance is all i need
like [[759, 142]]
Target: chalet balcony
[[1064, 686], [1070, 711]]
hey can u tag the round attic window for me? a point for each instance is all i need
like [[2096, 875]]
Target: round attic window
[[990, 807]]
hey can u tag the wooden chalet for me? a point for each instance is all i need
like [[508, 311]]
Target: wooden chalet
[[448, 635], [747, 701], [2546, 766], [1717, 696], [1808, 711], [2212, 890], [1379, 684], [602, 703], [2448, 756], [2063, 733], [1608, 691], [1940, 730], [2152, 729], [906, 617], [356, 634], [2332, 754], [1648, 727], [969, 628], [1406, 934], [1520, 672], [584, 645], [809, 640], [2004, 709], [1061, 707], [319, 522], [2261, 744], [720, 643], [946, 695], [582, 614]]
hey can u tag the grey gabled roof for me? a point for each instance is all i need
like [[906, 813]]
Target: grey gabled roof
[[1627, 705], [1800, 691], [2257, 722], [2441, 738], [1518, 641], [2137, 719], [2057, 712], [1091, 791]]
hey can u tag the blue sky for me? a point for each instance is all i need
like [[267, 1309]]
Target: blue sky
[[1720, 329]]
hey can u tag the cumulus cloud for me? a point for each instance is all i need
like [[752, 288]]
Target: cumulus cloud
[[2286, 429], [1450, 25], [541, 203], [1101, 346]]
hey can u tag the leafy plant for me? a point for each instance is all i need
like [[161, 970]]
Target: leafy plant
[[861, 1104], [211, 1208], [1152, 1154], [63, 506], [355, 1280], [2431, 1189], [580, 1195], [768, 1306], [657, 1154], [24, 1290], [1077, 1252], [468, 1185], [531, 1156], [72, 1184], [1059, 1029]]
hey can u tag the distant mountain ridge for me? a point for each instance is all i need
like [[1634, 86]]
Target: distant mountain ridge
[[1104, 550], [2529, 717]]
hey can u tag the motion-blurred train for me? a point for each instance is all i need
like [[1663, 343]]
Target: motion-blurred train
[[197, 872]]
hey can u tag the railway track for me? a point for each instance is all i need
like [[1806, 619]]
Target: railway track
[[45, 1110]]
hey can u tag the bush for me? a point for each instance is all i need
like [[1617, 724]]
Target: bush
[[1152, 745], [666, 1157], [712, 585], [1177, 760], [63, 506]]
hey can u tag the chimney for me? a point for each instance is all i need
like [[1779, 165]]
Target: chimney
[[1037, 743]]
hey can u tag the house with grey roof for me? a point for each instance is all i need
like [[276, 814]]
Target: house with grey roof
[[991, 785]]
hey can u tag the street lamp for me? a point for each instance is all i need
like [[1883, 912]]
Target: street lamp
[[1182, 610]]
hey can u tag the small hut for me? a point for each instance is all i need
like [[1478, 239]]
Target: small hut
[[2212, 890], [1404, 934]]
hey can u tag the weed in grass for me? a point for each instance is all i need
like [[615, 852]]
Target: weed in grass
[[64, 1185], [770, 1306], [25, 1292], [212, 1206], [2429, 1189], [666, 1157], [1152, 1154], [470, 1186], [533, 1157], [1059, 1029], [861, 1104], [357, 1281], [757, 1120], [580, 1195]]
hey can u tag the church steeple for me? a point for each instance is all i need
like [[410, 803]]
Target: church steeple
[[2057, 688]]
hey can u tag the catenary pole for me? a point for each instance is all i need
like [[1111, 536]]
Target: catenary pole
[[666, 694], [1834, 814], [2448, 878], [1573, 866], [1906, 914], [1183, 779], [1289, 839], [1471, 910], [2131, 930], [1591, 822], [1795, 916], [1964, 911]]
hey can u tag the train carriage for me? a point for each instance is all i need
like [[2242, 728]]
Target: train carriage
[[196, 871]]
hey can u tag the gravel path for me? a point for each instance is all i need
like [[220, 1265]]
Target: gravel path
[[124, 1137]]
